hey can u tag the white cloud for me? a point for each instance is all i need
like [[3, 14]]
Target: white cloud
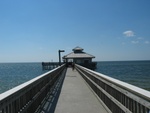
[[129, 33], [146, 42], [134, 42]]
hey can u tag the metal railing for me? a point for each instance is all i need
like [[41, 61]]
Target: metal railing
[[116, 96], [27, 97]]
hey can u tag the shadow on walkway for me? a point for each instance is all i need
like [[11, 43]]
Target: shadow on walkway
[[50, 102]]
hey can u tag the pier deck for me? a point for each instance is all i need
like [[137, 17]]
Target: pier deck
[[74, 97]]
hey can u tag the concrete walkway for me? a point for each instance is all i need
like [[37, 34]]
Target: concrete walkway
[[76, 97]]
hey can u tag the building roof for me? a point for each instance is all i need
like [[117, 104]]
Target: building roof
[[79, 54], [78, 49]]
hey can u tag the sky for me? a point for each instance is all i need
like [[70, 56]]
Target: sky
[[111, 30]]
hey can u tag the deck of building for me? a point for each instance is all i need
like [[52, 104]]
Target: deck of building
[[72, 95]]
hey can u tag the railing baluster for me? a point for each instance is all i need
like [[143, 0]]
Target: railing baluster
[[117, 97], [27, 97]]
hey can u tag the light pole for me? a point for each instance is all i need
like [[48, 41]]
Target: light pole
[[60, 56]]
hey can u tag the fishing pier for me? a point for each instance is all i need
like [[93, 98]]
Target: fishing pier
[[64, 90], [49, 65], [76, 89]]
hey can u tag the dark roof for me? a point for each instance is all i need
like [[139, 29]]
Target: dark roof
[[77, 49]]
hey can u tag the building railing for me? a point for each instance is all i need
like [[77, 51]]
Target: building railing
[[27, 97], [116, 96]]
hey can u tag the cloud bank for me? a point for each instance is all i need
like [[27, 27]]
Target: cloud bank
[[135, 40], [129, 33]]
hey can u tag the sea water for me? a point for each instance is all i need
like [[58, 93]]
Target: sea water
[[13, 74], [133, 72]]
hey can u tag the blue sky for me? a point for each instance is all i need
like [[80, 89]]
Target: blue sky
[[112, 30]]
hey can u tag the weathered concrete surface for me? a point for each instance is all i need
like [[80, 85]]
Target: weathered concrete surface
[[76, 97]]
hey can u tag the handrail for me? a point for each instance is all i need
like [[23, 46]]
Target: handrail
[[115, 95], [26, 97]]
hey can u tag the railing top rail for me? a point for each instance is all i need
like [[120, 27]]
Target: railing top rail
[[23, 85], [134, 89]]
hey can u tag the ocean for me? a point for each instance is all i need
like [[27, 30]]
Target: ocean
[[133, 72], [13, 74]]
